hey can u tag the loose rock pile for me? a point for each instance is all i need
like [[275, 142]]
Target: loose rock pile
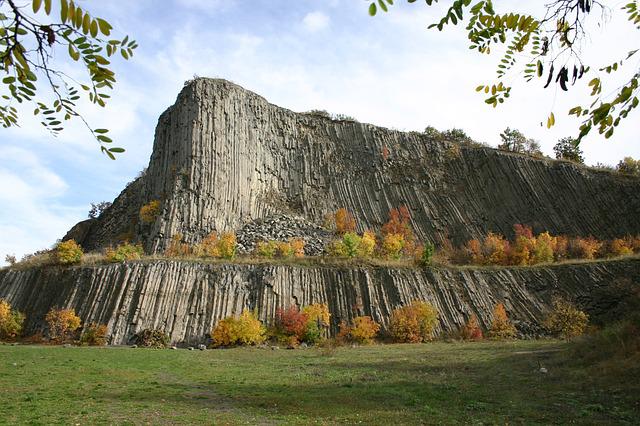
[[282, 228]]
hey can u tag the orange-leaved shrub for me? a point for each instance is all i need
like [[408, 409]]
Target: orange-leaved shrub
[[208, 247], [413, 323], [63, 323], [94, 335], [149, 212], [10, 321], [583, 248], [400, 224], [362, 330], [501, 327], [243, 330], [124, 251], [566, 320], [67, 252], [177, 247], [471, 330], [344, 221]]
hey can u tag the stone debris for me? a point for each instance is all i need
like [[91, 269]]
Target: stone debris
[[284, 228]]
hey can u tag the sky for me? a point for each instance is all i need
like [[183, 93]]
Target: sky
[[388, 70]]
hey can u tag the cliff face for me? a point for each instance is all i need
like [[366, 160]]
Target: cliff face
[[224, 156], [187, 299]]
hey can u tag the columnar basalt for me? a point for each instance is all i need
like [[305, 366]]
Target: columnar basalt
[[223, 156], [187, 299]]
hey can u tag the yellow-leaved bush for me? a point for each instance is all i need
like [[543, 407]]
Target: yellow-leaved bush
[[67, 252], [362, 330], [124, 252], [566, 320], [243, 330], [413, 323], [94, 335], [10, 321], [149, 212], [62, 323]]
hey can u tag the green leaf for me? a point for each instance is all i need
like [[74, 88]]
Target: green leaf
[[372, 9], [36, 5], [105, 27], [101, 131], [64, 11], [47, 6], [103, 138], [94, 28], [116, 150]]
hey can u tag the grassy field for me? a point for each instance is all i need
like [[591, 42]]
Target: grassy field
[[438, 383]]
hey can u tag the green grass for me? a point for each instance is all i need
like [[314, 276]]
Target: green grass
[[438, 383]]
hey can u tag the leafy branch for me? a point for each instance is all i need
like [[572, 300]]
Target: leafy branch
[[26, 54]]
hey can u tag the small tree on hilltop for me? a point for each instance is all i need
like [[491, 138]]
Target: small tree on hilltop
[[513, 140], [629, 166], [568, 149], [501, 327]]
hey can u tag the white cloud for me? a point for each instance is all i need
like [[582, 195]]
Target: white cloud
[[30, 218], [315, 21]]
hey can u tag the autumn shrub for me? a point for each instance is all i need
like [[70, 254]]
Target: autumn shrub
[[10, 321], [284, 249], [400, 224], [501, 327], [67, 252], [392, 246], [543, 248], [473, 252], [347, 246], [367, 245], [297, 245], [413, 323], [243, 330], [583, 248], [344, 221], [151, 338], [209, 247], [177, 247], [633, 243], [291, 322], [619, 247], [94, 335], [363, 330], [520, 253], [317, 313], [566, 320], [266, 249], [149, 212], [125, 251], [561, 249], [471, 330], [495, 249], [63, 323], [227, 245]]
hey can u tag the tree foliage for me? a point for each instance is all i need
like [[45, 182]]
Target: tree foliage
[[33, 39], [551, 45], [568, 149], [513, 140]]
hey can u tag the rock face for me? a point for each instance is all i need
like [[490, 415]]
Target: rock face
[[224, 157], [187, 299]]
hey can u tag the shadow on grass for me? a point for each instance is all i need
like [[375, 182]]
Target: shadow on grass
[[494, 388]]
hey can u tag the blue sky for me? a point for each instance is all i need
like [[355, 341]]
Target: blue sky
[[304, 54]]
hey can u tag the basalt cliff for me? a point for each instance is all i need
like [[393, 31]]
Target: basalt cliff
[[225, 159]]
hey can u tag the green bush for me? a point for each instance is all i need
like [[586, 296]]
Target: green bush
[[125, 251]]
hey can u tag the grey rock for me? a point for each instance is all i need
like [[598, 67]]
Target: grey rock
[[174, 348], [202, 347], [224, 158], [186, 299], [133, 346]]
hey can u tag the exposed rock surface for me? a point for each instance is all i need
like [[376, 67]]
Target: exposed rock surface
[[283, 228], [186, 299], [224, 157]]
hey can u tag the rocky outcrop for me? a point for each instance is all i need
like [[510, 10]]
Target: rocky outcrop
[[224, 157], [187, 299]]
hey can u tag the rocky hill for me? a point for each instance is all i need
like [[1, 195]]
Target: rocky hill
[[224, 157], [187, 299]]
